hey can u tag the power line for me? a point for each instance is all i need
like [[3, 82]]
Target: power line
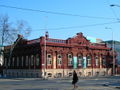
[[83, 26], [50, 12]]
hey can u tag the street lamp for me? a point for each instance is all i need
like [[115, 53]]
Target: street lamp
[[113, 48], [112, 5]]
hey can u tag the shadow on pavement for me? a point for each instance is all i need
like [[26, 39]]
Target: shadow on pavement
[[40, 89]]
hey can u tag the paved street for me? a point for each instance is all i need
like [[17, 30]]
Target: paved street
[[101, 83]]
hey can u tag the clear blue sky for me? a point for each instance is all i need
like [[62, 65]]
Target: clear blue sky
[[41, 20]]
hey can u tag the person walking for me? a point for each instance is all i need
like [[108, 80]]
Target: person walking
[[75, 79]]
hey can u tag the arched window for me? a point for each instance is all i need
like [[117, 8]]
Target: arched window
[[22, 61], [96, 60], [17, 61], [59, 59], [5, 62], [37, 60], [70, 59], [49, 59], [32, 60], [13, 60], [104, 60], [27, 60], [80, 60], [89, 60]]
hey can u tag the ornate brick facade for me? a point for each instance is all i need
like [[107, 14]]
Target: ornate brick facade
[[46, 57]]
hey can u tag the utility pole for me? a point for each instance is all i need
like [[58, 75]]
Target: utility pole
[[45, 38], [113, 50]]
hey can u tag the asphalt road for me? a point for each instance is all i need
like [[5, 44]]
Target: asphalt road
[[85, 83]]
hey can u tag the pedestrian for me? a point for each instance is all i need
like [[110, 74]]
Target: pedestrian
[[75, 79]]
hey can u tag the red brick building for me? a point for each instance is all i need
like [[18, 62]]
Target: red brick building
[[47, 57]]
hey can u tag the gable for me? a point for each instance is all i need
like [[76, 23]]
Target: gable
[[79, 39]]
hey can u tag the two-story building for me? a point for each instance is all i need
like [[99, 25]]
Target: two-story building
[[47, 57]]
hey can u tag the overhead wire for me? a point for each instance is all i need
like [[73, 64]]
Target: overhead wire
[[83, 26], [51, 12]]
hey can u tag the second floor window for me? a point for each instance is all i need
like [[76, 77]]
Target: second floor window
[[32, 60], [17, 61], [70, 59], [49, 59], [22, 61], [104, 60], [59, 59], [89, 61], [80, 60], [27, 60], [37, 60], [96, 60], [13, 60]]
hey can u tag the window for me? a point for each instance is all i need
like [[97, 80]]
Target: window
[[49, 59], [104, 60], [37, 60], [22, 61], [96, 60], [32, 60], [80, 59], [17, 61], [27, 60], [88, 60], [13, 60], [5, 62], [70, 60], [59, 59]]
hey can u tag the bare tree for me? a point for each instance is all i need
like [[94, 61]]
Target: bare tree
[[9, 31]]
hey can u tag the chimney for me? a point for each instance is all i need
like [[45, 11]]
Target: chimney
[[20, 36], [46, 34]]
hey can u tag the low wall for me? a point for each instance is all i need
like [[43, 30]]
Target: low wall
[[56, 73]]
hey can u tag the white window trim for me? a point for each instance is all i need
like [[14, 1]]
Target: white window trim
[[70, 60], [89, 61], [49, 59], [96, 60], [59, 59]]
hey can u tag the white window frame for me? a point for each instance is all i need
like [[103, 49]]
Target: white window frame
[[89, 60], [96, 60], [103, 60], [59, 59], [49, 59], [70, 59]]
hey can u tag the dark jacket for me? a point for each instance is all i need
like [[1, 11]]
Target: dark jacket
[[75, 78]]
